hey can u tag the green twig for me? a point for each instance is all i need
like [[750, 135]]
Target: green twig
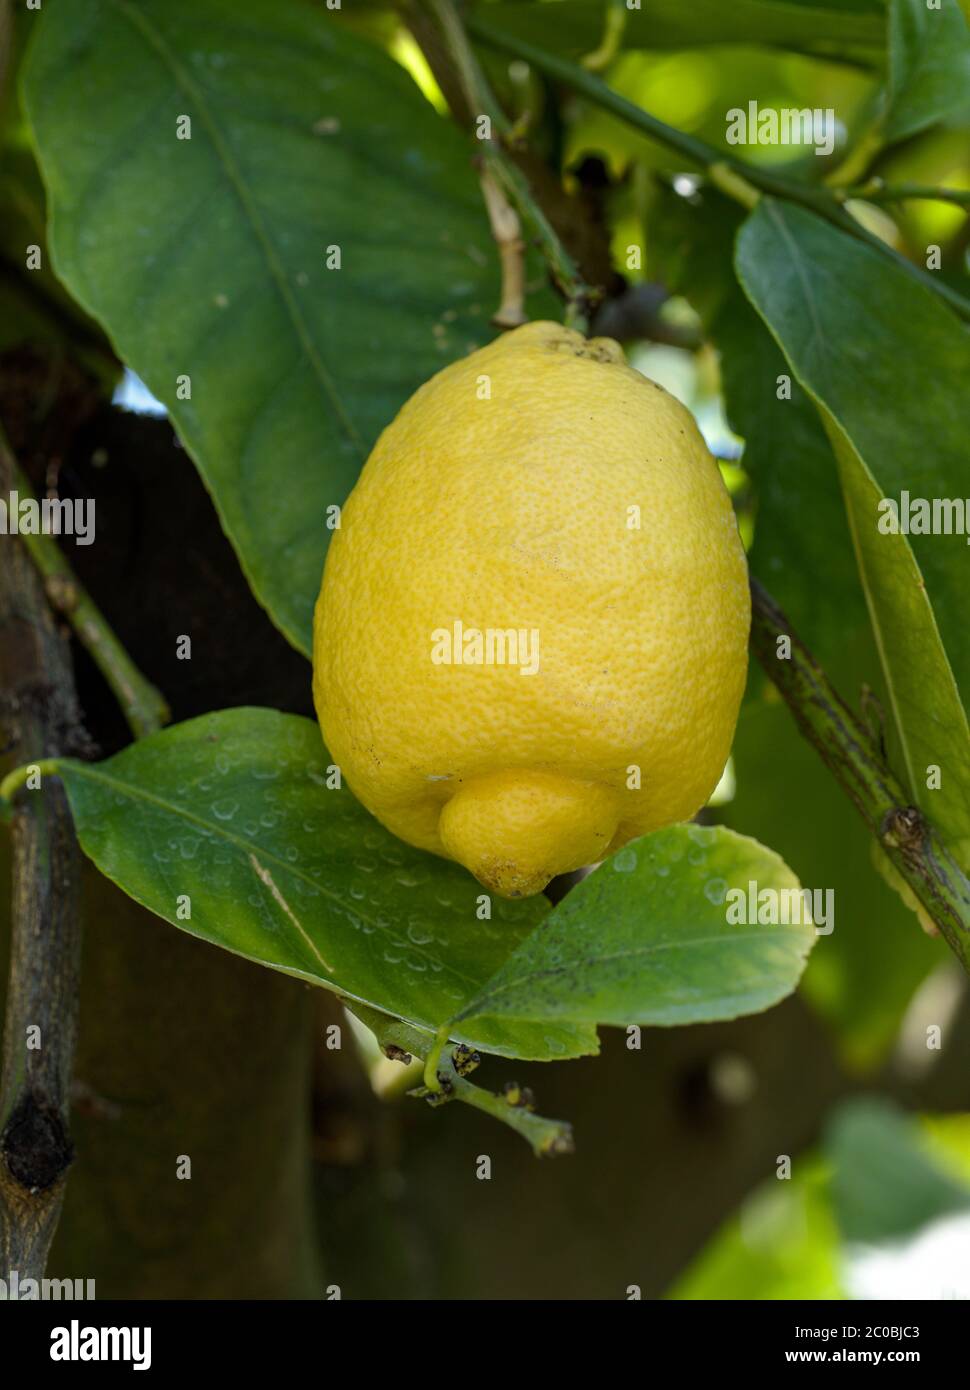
[[725, 177], [512, 1108], [820, 200], [143, 705], [563, 269], [504, 173], [695, 151], [876, 191], [475, 85], [447, 1081], [547, 1137], [15, 779], [614, 26], [431, 1078], [909, 840]]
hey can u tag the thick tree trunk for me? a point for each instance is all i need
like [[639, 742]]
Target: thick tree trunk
[[192, 1118]]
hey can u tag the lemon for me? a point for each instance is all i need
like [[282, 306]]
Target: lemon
[[530, 643]]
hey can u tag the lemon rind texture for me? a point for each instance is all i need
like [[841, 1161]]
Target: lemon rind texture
[[539, 486]]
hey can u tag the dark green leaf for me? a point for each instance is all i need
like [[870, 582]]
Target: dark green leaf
[[646, 939], [879, 354], [886, 1183], [207, 257], [863, 975], [231, 813], [929, 65]]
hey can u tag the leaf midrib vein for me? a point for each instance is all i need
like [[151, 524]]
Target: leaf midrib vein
[[140, 22], [245, 846], [615, 955]]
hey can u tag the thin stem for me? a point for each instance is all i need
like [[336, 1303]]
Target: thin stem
[[875, 191], [695, 151], [614, 26], [547, 1137], [478, 93], [908, 838], [507, 231], [726, 178], [143, 705], [505, 174], [431, 1079], [512, 1108], [563, 269], [447, 1081], [819, 200], [14, 780]]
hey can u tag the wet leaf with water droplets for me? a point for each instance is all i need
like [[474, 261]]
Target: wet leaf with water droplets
[[285, 887], [647, 939]]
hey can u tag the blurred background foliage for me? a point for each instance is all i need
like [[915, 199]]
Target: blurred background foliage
[[878, 1204], [881, 1210]]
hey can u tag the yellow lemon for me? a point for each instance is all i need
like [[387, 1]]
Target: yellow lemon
[[530, 643]]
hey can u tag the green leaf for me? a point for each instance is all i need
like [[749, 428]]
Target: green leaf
[[575, 27], [809, 569], [34, 306], [231, 814], [783, 1243], [863, 975], [646, 939], [886, 1181], [207, 257], [881, 1177], [392, 1032], [847, 321], [929, 65]]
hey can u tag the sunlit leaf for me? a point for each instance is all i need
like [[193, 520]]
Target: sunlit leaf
[[211, 260]]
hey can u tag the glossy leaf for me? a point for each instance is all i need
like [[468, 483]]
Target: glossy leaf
[[229, 817], [206, 258], [847, 321], [929, 65], [862, 976], [646, 939]]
